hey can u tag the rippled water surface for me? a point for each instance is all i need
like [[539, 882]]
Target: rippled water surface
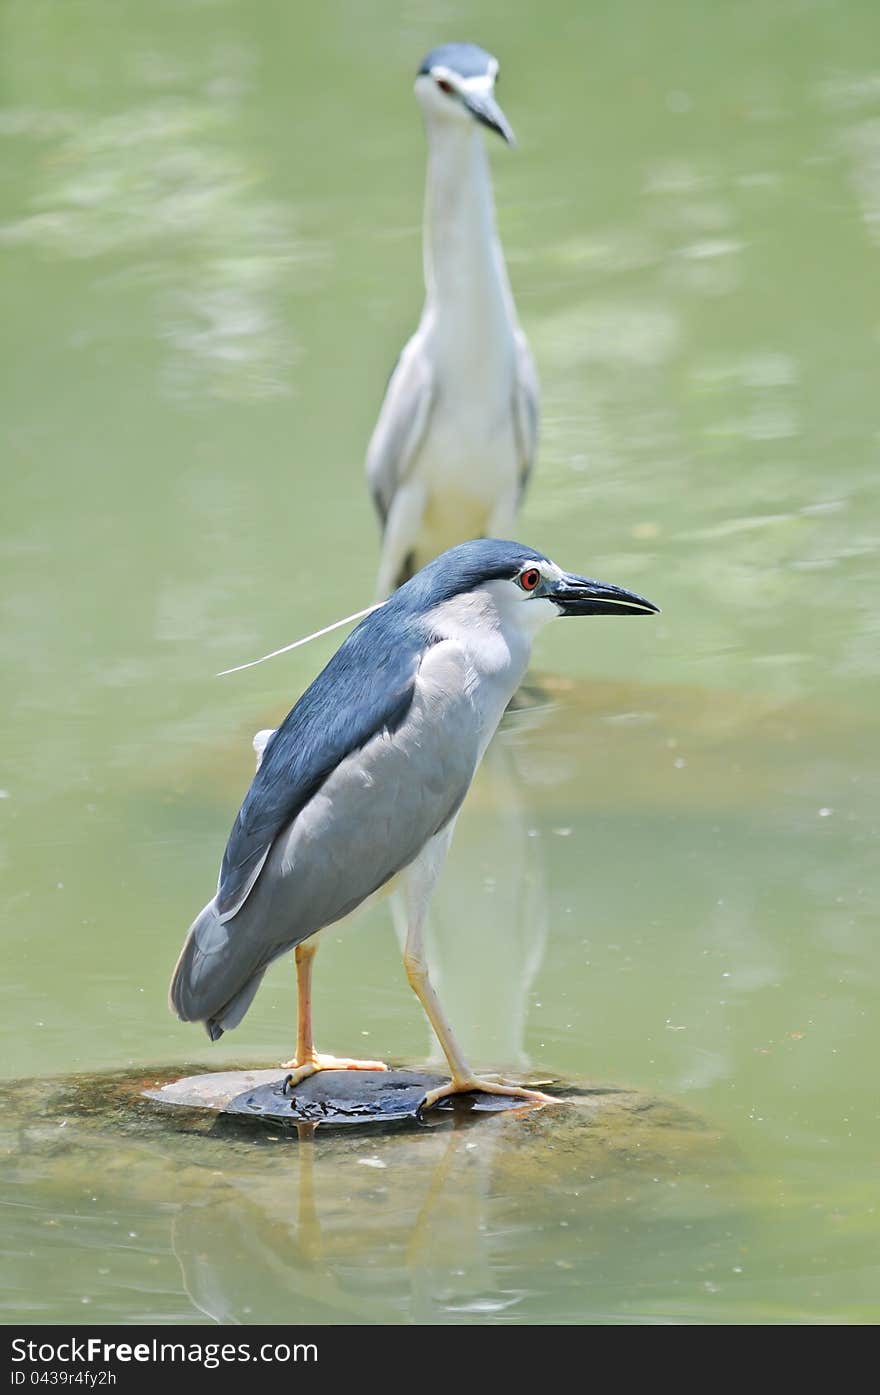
[[666, 874]]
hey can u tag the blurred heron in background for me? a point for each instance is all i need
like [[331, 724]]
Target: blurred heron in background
[[457, 433], [364, 779]]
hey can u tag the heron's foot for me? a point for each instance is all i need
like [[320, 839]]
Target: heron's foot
[[486, 1087], [301, 1070], [499, 1080]]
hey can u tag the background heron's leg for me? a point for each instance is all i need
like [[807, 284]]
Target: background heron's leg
[[307, 1060], [420, 880], [400, 536], [503, 515]]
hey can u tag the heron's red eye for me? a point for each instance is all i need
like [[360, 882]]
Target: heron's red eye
[[529, 579], [445, 86]]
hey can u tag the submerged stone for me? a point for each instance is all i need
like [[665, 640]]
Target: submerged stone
[[593, 1129]]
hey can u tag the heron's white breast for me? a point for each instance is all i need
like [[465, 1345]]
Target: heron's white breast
[[494, 631]]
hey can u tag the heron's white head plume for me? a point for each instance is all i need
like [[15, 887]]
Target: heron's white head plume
[[337, 624]]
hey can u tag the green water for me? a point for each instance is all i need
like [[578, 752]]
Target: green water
[[666, 874]]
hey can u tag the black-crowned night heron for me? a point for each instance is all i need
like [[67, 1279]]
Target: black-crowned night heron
[[456, 437], [363, 781]]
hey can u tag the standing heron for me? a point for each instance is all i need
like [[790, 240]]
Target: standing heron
[[456, 437], [363, 781]]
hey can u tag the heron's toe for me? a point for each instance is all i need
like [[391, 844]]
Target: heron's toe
[[486, 1087], [348, 1063], [301, 1070]]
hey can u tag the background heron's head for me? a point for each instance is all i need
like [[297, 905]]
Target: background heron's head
[[456, 83], [524, 585]]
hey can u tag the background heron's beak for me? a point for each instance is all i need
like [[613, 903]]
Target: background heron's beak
[[580, 595], [484, 108]]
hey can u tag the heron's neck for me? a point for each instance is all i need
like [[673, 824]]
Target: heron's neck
[[487, 624], [464, 265]]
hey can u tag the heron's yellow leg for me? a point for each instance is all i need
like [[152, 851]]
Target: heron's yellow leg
[[307, 1060], [463, 1078]]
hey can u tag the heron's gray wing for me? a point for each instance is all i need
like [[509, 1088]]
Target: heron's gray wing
[[369, 819], [375, 813], [526, 408], [366, 688], [401, 426]]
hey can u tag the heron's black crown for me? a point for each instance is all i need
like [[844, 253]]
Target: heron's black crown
[[467, 60], [461, 569]]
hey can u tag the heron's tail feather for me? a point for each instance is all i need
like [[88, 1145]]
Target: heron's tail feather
[[235, 1009], [212, 983]]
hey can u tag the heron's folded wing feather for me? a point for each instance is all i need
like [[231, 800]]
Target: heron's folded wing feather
[[526, 408], [367, 687], [372, 816], [402, 422]]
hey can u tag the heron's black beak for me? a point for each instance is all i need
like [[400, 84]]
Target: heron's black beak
[[580, 595], [484, 108]]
